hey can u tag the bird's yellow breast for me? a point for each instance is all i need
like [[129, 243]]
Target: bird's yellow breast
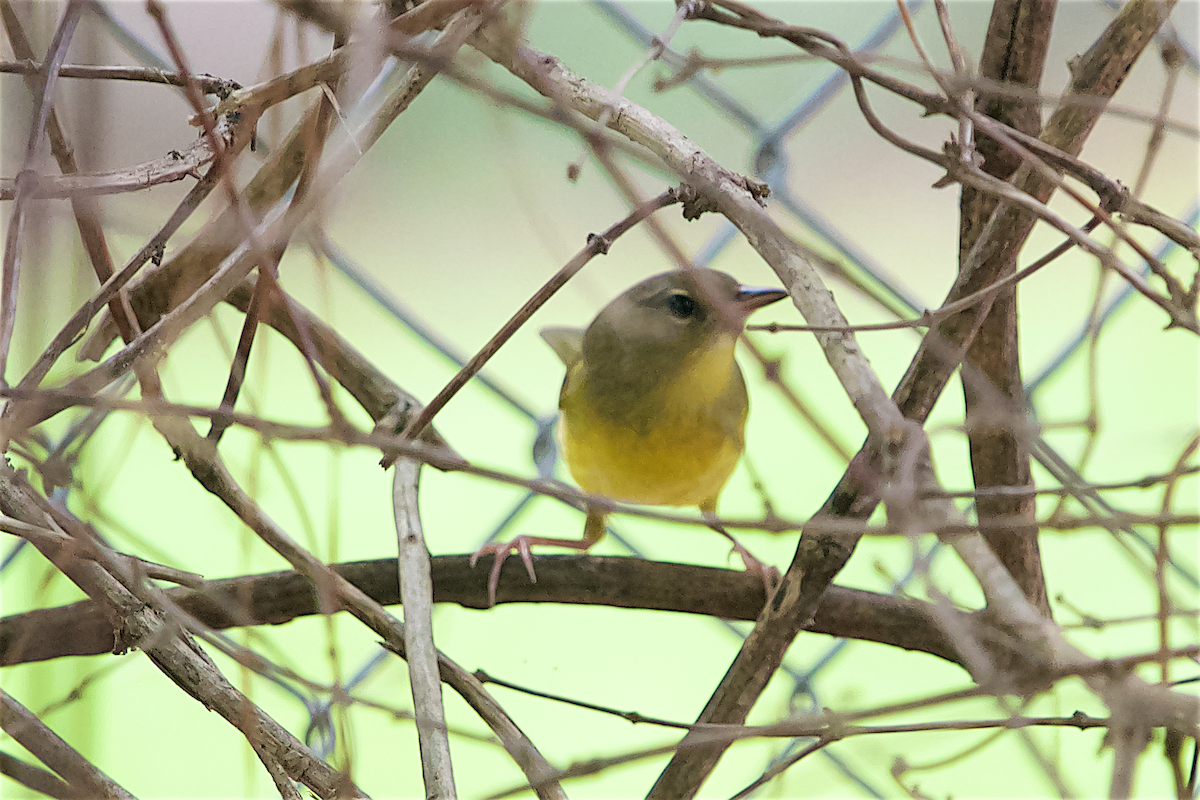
[[677, 445]]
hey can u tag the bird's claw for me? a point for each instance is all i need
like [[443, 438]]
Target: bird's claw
[[500, 552], [769, 574]]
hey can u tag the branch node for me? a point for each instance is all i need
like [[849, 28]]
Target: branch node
[[598, 243], [694, 202]]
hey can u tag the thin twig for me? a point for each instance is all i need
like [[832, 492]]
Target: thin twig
[[173, 280], [175, 166], [598, 244], [221, 87], [33, 734], [86, 212], [205, 465], [10, 270], [266, 260], [783, 766], [416, 592], [132, 610], [929, 318], [1097, 79], [843, 526], [267, 290], [75, 326], [37, 779]]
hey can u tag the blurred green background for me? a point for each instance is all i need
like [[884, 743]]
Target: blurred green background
[[460, 212]]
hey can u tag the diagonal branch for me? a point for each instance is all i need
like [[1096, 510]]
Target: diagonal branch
[[39, 780], [82, 777], [161, 289], [596, 245], [201, 457], [142, 623]]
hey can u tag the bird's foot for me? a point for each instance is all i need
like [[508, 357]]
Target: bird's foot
[[770, 576], [500, 551]]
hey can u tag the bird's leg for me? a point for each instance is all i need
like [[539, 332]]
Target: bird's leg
[[593, 530], [768, 573]]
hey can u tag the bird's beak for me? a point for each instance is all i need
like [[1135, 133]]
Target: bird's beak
[[750, 299]]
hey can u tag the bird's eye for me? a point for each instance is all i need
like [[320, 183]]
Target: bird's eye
[[681, 305]]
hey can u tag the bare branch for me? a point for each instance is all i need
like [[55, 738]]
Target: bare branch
[[175, 166], [1014, 53], [274, 598], [142, 623], [209, 84], [43, 105], [416, 590], [596, 245], [35, 778], [87, 215], [81, 775]]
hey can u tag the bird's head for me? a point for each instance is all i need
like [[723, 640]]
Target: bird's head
[[679, 313]]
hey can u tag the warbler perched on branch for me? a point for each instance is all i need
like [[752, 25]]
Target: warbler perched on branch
[[653, 405]]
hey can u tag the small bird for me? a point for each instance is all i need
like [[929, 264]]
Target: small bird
[[653, 404]]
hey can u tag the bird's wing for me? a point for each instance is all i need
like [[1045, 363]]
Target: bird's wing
[[567, 343]]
